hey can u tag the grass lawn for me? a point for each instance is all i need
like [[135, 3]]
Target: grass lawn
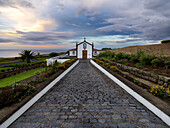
[[3, 62], [10, 80]]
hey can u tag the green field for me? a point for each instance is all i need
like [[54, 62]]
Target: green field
[[10, 80]]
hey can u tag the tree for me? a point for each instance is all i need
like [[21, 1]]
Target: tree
[[105, 49], [53, 54], [27, 55]]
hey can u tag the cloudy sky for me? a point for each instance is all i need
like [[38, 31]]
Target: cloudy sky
[[30, 24]]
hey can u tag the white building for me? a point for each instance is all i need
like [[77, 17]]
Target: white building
[[84, 50]]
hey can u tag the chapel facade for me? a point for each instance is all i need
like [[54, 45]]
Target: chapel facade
[[84, 50]]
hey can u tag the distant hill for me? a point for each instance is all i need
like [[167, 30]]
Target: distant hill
[[156, 49]]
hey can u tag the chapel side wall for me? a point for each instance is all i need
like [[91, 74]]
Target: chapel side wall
[[71, 53], [95, 53]]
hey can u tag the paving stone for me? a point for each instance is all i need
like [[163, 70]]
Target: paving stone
[[85, 97]]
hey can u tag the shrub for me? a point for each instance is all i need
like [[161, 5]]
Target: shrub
[[114, 68], [157, 62], [2, 70], [134, 59], [53, 54], [167, 64], [137, 82], [107, 54], [61, 66], [4, 75], [125, 61], [120, 56], [107, 65], [160, 91], [138, 65], [14, 94], [145, 59], [101, 62]]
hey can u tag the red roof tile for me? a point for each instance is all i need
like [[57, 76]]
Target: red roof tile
[[74, 49], [96, 49]]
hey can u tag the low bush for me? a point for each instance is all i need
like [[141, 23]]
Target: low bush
[[107, 54], [160, 91], [14, 94], [145, 59], [53, 54], [120, 56], [134, 59], [101, 62], [2, 70], [107, 65], [137, 82], [157, 62], [61, 66], [114, 68], [167, 64]]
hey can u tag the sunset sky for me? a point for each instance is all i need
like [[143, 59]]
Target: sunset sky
[[39, 24]]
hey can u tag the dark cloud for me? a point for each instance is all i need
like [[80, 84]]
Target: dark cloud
[[5, 40], [45, 36], [158, 6]]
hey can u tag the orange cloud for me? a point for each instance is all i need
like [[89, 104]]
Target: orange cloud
[[26, 20]]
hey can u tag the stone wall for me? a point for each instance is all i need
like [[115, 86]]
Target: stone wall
[[158, 79]]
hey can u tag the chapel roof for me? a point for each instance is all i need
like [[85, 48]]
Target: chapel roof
[[74, 49], [96, 49]]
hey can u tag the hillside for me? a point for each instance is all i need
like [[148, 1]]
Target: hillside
[[156, 49]]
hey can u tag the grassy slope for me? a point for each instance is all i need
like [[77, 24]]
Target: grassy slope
[[10, 80], [156, 49]]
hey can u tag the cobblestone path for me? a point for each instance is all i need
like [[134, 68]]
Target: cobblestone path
[[87, 98]]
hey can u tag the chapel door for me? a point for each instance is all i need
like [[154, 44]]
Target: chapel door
[[84, 54]]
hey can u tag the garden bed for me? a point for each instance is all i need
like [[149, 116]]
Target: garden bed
[[13, 69], [157, 79], [11, 108], [137, 82], [162, 103], [156, 70]]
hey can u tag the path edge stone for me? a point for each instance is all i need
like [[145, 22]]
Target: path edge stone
[[164, 117], [24, 108]]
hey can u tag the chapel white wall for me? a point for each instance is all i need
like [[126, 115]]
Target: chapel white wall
[[80, 51], [72, 53], [95, 53]]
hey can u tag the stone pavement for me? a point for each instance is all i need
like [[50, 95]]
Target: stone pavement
[[87, 98]]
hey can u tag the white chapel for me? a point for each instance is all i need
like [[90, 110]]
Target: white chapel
[[84, 50]]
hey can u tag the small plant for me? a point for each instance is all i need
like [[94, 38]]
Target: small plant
[[61, 66], [114, 68], [134, 59], [101, 62], [167, 64], [125, 61], [137, 82], [160, 91], [107, 65], [145, 59], [2, 70], [138, 65], [120, 56], [157, 62], [14, 94]]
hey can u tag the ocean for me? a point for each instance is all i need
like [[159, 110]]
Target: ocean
[[4, 53]]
